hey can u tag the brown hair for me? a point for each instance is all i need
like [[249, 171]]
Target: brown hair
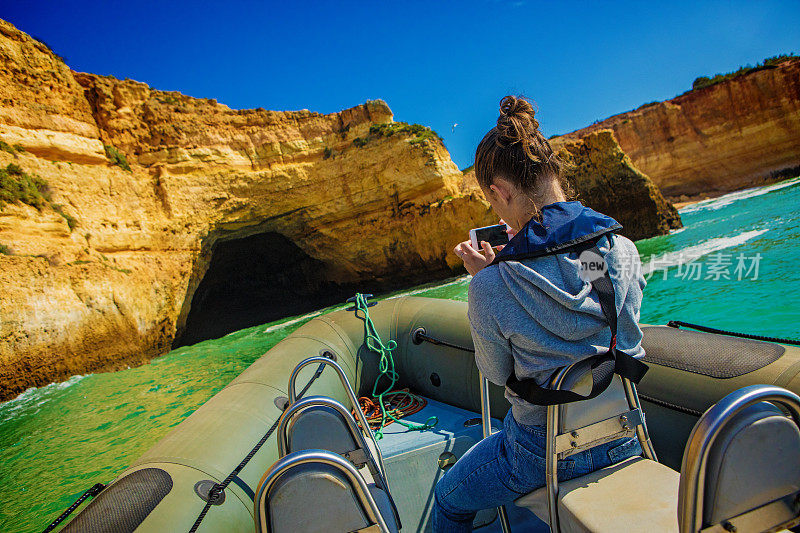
[[516, 150]]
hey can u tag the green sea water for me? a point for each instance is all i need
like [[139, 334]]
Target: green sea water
[[58, 440]]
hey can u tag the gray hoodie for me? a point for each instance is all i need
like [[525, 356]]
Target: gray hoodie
[[538, 315]]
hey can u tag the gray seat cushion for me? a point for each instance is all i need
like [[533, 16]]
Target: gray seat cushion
[[754, 460], [317, 498], [633, 495], [320, 427]]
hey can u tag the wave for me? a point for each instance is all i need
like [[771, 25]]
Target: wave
[[692, 253], [37, 395], [276, 327], [717, 203], [429, 287]]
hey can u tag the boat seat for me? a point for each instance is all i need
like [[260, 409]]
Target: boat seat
[[751, 476], [319, 422], [320, 427], [638, 494], [634, 495], [317, 491]]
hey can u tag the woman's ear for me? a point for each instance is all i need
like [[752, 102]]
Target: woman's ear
[[502, 190]]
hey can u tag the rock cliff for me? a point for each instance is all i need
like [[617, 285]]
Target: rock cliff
[[99, 272], [133, 220], [739, 133]]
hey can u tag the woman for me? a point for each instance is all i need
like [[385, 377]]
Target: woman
[[531, 316]]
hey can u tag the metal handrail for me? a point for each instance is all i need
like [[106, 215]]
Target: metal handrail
[[314, 401], [315, 456], [486, 422], [706, 431], [553, 429], [362, 420], [641, 430]]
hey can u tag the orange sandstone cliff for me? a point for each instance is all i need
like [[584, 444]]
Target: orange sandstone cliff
[[102, 272], [133, 220], [739, 133]]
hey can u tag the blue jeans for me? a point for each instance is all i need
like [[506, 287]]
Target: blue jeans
[[507, 465]]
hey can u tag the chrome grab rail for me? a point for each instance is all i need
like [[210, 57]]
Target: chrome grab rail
[[362, 420], [315, 456], [641, 430], [553, 429], [705, 432], [313, 401], [486, 422]]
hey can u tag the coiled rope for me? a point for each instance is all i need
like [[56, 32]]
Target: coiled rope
[[386, 369], [400, 404]]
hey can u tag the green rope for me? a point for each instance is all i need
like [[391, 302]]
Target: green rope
[[385, 369]]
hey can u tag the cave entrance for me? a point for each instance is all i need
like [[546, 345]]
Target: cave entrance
[[254, 280]]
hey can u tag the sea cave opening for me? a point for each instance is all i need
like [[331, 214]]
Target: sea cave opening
[[254, 280]]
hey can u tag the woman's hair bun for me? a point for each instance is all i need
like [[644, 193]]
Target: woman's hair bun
[[516, 106], [516, 122]]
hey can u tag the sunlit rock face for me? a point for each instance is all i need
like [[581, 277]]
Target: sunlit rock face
[[740, 133], [324, 205], [605, 178]]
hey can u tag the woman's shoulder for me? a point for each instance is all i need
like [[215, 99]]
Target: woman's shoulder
[[486, 284]]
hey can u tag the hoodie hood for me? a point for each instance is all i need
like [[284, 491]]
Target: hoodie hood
[[539, 279], [563, 224]]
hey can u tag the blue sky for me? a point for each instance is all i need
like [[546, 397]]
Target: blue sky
[[436, 63]]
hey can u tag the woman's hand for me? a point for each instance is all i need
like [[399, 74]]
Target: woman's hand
[[510, 232], [474, 261]]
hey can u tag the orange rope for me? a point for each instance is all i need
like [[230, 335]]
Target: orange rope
[[399, 403]]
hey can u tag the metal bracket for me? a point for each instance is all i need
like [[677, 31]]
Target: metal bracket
[[352, 300], [594, 434], [203, 489], [357, 457]]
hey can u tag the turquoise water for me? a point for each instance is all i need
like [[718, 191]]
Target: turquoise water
[[57, 441]]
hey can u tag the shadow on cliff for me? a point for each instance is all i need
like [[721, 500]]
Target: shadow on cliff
[[263, 278], [255, 280]]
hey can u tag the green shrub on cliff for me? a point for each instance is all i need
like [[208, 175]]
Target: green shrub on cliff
[[4, 250], [419, 134], [16, 185], [704, 81], [72, 222], [116, 157], [4, 146], [418, 131]]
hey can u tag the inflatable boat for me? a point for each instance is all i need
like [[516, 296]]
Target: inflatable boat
[[714, 404]]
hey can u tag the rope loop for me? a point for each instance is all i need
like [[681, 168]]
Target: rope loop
[[386, 369]]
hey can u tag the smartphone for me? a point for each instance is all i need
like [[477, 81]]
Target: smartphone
[[495, 235]]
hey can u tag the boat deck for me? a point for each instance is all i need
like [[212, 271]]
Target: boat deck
[[412, 461]]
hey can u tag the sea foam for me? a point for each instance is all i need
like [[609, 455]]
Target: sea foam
[[36, 396], [718, 203], [692, 253]]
